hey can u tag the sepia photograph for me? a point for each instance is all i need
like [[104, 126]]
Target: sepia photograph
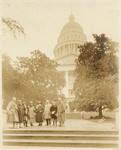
[[60, 74]]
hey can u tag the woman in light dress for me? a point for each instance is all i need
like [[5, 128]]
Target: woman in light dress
[[47, 113], [31, 113]]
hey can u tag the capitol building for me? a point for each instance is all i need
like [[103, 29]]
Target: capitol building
[[66, 51]]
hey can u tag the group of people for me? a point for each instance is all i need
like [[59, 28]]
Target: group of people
[[21, 113]]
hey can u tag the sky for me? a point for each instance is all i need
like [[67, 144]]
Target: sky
[[43, 21]]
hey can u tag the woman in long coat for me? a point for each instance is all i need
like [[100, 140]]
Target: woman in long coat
[[53, 110], [20, 113], [31, 113], [39, 113], [12, 111], [47, 113], [61, 112]]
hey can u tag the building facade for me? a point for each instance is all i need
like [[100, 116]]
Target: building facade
[[66, 51]]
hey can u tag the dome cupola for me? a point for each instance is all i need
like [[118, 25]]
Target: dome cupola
[[71, 17]]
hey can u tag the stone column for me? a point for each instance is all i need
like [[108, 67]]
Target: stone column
[[58, 52], [74, 48], [69, 48], [66, 83], [64, 51]]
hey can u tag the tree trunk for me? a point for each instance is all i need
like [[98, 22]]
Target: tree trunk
[[100, 112]]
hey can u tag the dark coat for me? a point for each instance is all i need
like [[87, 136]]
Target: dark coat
[[53, 111], [20, 113], [25, 114], [39, 113]]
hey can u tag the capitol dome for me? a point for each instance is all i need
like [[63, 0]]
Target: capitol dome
[[71, 36]]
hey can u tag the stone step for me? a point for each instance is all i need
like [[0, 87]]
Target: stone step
[[61, 143], [61, 131], [60, 137]]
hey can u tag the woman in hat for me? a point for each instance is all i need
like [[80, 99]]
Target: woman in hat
[[47, 113], [39, 113], [61, 112], [31, 113], [53, 110], [20, 113], [25, 114], [12, 111]]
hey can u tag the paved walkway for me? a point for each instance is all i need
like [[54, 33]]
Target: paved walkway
[[78, 124]]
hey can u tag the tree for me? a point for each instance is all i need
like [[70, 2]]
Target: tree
[[14, 83], [7, 70], [12, 80], [45, 82], [13, 25], [34, 78], [96, 84]]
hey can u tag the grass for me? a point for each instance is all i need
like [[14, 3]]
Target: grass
[[105, 119]]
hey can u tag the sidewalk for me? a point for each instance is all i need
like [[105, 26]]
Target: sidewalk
[[76, 124]]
